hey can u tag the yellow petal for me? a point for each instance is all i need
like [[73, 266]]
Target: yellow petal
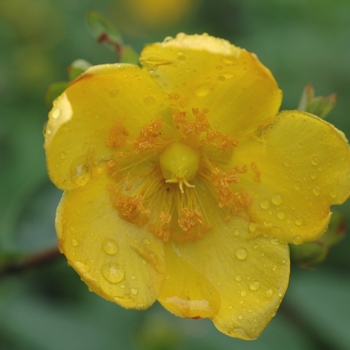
[[82, 118], [237, 283], [117, 260], [303, 166], [200, 71]]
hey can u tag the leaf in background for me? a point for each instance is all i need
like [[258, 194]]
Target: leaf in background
[[54, 91], [320, 106], [129, 55], [104, 31], [77, 67]]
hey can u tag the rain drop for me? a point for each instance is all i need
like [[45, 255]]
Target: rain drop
[[315, 160], [297, 185], [298, 222], [238, 278], [333, 194], [275, 241], [277, 199], [110, 246], [243, 294], [254, 286], [112, 273], [133, 291], [241, 253], [74, 242], [313, 176], [316, 191], [236, 232], [297, 240], [287, 163], [269, 293], [56, 113], [149, 101], [241, 317], [62, 155], [113, 93], [281, 215], [202, 90], [265, 204]]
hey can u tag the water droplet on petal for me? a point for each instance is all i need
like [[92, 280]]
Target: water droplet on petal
[[269, 293], [110, 246], [333, 194], [112, 273], [314, 160], [56, 113], [265, 204], [297, 240], [298, 222], [287, 163], [133, 291], [277, 199], [62, 155], [313, 176], [297, 185], [74, 242], [243, 293], [181, 58], [241, 253], [274, 241], [202, 90], [238, 278], [316, 191], [254, 285], [241, 317], [281, 215], [236, 232], [149, 101]]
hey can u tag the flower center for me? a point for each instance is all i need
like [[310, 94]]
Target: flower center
[[179, 164]]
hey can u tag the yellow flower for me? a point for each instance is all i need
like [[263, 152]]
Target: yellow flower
[[184, 184]]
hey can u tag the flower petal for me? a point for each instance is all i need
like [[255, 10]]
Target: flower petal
[[200, 71], [303, 165], [117, 260], [82, 118], [238, 283]]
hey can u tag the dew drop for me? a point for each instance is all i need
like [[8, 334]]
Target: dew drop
[[202, 90], [316, 191], [277, 199], [333, 194], [297, 185], [230, 307], [296, 240], [74, 242], [62, 155], [252, 227], [274, 241], [80, 175], [287, 163], [281, 215], [313, 176], [265, 204], [236, 232], [56, 113], [221, 78], [238, 278], [112, 273], [133, 277], [315, 160], [241, 253], [254, 285], [181, 57], [149, 101], [133, 291], [113, 93], [243, 293], [298, 222], [269, 293], [110, 246], [241, 317]]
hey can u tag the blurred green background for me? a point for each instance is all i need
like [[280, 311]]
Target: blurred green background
[[48, 307]]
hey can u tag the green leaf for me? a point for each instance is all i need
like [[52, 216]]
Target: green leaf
[[104, 31], [54, 91], [77, 67], [320, 106], [129, 55]]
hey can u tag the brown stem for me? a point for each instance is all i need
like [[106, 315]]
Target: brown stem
[[32, 261]]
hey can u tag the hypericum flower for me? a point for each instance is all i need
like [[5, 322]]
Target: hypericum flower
[[184, 184]]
